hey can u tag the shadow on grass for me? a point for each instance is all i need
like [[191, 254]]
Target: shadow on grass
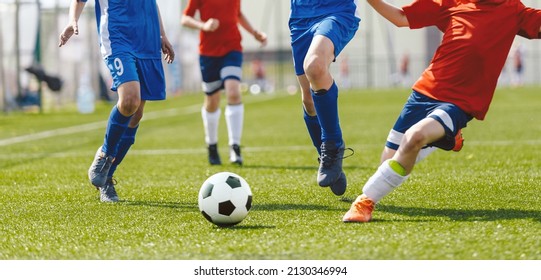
[[245, 227], [312, 167], [463, 215], [189, 207], [35, 156], [289, 206]]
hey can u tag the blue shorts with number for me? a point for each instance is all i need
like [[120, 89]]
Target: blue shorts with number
[[419, 107], [149, 73], [339, 28], [216, 69]]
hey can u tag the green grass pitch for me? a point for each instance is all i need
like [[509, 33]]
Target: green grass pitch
[[481, 203]]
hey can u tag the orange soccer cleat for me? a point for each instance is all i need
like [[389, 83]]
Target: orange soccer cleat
[[459, 141], [360, 211]]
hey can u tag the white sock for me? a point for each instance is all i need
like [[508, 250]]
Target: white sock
[[234, 117], [384, 181], [424, 152], [210, 122]]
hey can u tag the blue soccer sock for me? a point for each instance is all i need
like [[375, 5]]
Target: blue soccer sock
[[115, 129], [314, 129], [124, 145], [326, 103]]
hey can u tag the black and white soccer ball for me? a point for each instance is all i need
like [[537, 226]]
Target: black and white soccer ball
[[225, 199]]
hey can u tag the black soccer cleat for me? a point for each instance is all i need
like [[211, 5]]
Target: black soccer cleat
[[214, 157]]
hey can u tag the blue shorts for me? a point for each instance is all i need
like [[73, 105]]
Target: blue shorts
[[216, 69], [339, 28], [419, 107], [125, 67]]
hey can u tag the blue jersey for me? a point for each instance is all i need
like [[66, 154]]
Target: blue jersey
[[316, 8], [128, 27]]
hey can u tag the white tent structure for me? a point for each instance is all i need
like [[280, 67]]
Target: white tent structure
[[22, 22], [17, 45], [372, 58]]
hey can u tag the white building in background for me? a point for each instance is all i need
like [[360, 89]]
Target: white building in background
[[373, 58], [375, 54]]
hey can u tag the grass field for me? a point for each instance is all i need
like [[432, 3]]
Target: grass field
[[481, 203]]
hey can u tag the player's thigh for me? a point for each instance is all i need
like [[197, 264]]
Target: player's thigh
[[339, 29], [427, 130], [129, 92], [321, 51]]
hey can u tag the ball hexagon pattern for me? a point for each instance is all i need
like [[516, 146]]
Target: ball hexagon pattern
[[225, 199]]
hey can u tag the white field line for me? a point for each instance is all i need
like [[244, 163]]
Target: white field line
[[92, 126], [161, 152], [262, 149], [102, 124], [191, 110]]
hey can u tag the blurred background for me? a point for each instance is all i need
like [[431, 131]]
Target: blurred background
[[36, 75]]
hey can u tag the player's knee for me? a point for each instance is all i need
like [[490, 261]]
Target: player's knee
[[414, 140], [234, 98], [315, 69], [128, 106], [212, 103]]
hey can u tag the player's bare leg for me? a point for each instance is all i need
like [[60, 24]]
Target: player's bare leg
[[234, 117], [210, 114]]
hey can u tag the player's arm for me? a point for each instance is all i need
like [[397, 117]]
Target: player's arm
[[206, 26], [392, 13], [258, 35], [167, 48], [75, 11]]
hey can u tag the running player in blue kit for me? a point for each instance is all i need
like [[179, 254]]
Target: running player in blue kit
[[131, 38], [320, 29]]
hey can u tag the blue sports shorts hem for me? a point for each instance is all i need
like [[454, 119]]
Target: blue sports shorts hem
[[216, 69], [419, 107], [339, 28], [125, 67]]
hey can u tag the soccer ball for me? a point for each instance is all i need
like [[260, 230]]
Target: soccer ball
[[225, 199]]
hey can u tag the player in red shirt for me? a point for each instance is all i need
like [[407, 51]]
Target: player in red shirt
[[221, 61], [457, 86]]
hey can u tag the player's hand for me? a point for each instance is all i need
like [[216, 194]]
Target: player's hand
[[261, 37], [71, 29], [167, 50], [210, 25]]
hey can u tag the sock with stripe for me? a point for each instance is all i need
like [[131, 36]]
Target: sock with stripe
[[385, 180]]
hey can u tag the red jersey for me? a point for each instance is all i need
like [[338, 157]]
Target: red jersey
[[227, 37], [476, 41]]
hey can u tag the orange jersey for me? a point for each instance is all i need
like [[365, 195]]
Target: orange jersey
[[476, 41], [227, 37]]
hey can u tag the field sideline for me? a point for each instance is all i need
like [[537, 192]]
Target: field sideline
[[482, 203]]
